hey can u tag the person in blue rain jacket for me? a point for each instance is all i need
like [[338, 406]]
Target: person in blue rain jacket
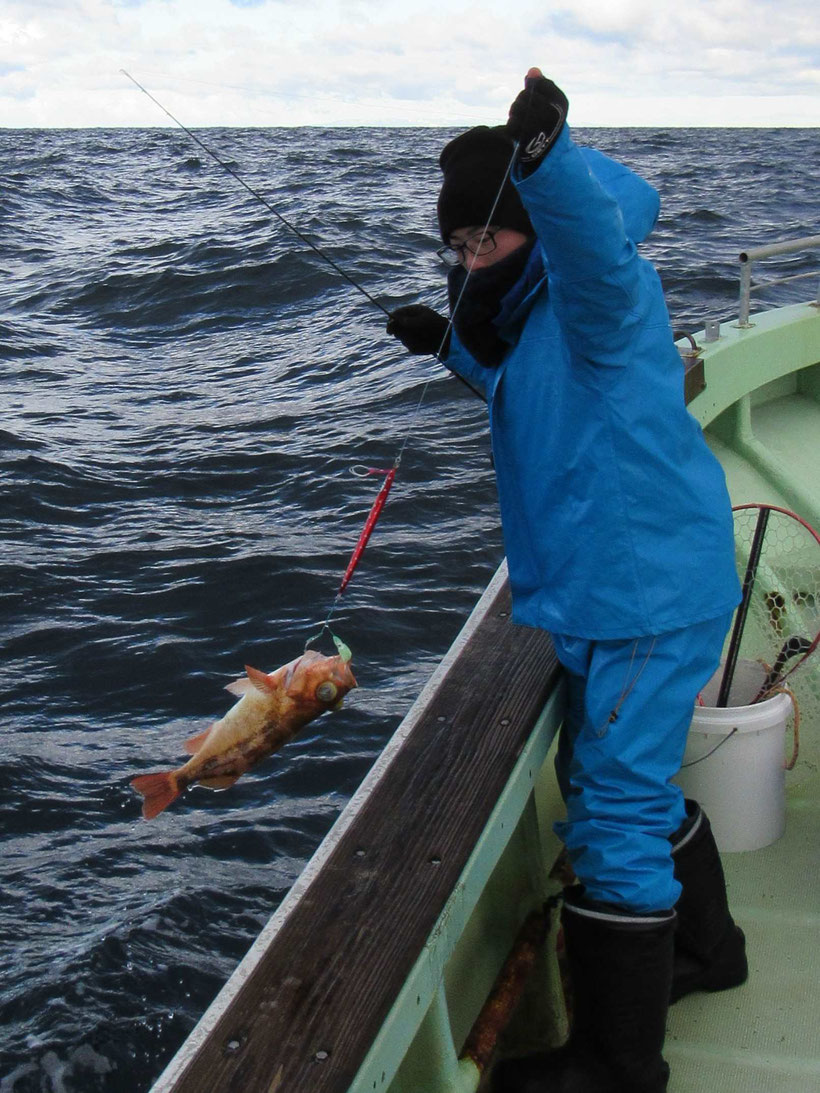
[[618, 535]]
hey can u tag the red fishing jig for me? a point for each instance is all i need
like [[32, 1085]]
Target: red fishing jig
[[370, 523]]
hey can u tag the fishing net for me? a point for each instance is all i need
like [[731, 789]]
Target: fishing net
[[776, 629]]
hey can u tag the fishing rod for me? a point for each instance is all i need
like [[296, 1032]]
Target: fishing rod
[[390, 474], [438, 117], [292, 227]]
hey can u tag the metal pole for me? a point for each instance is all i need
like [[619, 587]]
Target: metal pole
[[745, 292]]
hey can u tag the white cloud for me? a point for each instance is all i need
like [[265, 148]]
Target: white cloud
[[427, 62]]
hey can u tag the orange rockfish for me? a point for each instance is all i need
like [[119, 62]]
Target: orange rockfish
[[271, 710]]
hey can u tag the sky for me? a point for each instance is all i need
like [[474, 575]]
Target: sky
[[406, 62]]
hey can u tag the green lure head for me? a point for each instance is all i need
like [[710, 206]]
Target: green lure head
[[344, 651]]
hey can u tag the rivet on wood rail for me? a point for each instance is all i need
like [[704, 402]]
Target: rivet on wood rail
[[435, 860], [320, 1056]]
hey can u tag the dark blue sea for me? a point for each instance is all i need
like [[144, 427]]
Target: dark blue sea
[[185, 388]]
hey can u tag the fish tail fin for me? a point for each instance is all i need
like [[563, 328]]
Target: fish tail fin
[[159, 790]]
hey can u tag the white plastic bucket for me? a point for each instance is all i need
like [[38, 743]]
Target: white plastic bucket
[[734, 763]]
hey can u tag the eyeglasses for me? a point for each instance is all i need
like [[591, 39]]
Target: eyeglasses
[[481, 242]]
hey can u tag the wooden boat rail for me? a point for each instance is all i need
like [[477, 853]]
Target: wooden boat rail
[[305, 1006]]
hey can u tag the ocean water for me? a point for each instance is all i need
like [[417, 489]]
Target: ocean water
[[187, 389]]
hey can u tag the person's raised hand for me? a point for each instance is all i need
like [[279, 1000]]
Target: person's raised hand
[[536, 118]]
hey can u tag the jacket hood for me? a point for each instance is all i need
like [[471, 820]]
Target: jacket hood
[[639, 201]]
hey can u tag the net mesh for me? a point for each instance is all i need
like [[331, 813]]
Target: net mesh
[[783, 621]]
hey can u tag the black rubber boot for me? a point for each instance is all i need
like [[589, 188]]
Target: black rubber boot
[[710, 949], [621, 969]]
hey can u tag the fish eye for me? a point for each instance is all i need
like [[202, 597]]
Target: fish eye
[[326, 691]]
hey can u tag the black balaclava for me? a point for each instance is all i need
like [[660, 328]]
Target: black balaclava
[[476, 172]]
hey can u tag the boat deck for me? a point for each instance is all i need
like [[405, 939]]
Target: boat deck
[[763, 1036]]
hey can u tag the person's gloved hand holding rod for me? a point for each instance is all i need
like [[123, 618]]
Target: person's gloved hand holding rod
[[421, 330]]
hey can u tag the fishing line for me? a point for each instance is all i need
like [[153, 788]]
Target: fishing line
[[629, 685], [483, 236], [379, 503], [390, 474]]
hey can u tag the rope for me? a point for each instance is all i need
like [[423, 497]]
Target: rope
[[782, 689]]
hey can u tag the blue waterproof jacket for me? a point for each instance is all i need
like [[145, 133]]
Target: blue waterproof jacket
[[616, 517]]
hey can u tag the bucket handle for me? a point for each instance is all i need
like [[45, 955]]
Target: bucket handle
[[781, 690], [712, 751]]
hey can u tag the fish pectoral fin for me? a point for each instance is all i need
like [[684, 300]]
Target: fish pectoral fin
[[261, 681], [193, 745], [219, 781], [239, 687]]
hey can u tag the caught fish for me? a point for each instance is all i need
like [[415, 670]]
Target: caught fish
[[271, 710]]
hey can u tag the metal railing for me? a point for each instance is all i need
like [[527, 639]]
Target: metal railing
[[753, 254]]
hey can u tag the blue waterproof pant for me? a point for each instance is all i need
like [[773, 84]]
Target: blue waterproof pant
[[630, 704]]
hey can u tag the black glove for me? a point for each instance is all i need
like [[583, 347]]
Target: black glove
[[420, 329], [536, 118]]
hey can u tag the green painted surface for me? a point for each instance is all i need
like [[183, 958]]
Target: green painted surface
[[761, 408], [763, 1036]]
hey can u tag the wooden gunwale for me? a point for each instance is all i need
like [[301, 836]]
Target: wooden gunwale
[[303, 1009]]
